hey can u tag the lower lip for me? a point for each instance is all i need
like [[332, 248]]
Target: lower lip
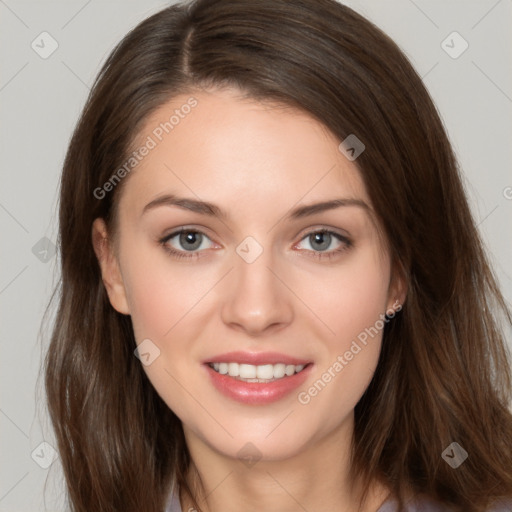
[[257, 392]]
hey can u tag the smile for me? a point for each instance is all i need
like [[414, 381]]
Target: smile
[[256, 384], [257, 373]]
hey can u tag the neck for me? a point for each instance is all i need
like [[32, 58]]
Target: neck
[[315, 479]]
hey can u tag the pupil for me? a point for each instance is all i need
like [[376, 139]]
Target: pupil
[[188, 238], [319, 237]]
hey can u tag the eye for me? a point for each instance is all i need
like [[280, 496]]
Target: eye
[[320, 240], [190, 240]]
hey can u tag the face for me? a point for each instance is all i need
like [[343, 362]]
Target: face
[[255, 284]]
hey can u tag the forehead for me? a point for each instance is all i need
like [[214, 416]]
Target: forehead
[[230, 148]]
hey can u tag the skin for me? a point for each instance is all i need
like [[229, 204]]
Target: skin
[[256, 161]]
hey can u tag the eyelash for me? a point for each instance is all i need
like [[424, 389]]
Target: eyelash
[[317, 255]]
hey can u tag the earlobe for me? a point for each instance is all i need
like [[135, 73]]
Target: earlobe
[[109, 265], [397, 290]]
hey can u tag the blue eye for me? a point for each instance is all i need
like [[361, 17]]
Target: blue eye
[[323, 239], [320, 240], [189, 239], [192, 240]]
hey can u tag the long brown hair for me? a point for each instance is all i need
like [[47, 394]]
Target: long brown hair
[[444, 371]]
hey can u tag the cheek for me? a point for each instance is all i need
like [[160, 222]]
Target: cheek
[[349, 298], [362, 299], [358, 301], [352, 303], [161, 293], [162, 297]]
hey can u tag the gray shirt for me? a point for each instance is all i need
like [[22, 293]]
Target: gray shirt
[[423, 504]]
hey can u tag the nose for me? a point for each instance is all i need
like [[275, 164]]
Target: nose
[[257, 300]]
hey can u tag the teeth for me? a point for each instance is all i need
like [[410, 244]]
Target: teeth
[[279, 371], [261, 373], [248, 371]]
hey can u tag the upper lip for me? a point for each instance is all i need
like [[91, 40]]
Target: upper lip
[[256, 358]]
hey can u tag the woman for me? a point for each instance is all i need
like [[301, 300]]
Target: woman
[[256, 370]]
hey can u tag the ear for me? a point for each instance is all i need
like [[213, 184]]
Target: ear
[[397, 288], [110, 272]]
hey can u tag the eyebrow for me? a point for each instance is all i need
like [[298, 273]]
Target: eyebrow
[[210, 209]]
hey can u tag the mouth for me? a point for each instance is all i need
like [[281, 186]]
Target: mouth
[[256, 379], [257, 373]]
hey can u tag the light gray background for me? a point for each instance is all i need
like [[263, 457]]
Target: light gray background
[[40, 100]]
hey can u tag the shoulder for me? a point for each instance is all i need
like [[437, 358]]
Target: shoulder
[[173, 503], [417, 504], [502, 506], [425, 504]]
